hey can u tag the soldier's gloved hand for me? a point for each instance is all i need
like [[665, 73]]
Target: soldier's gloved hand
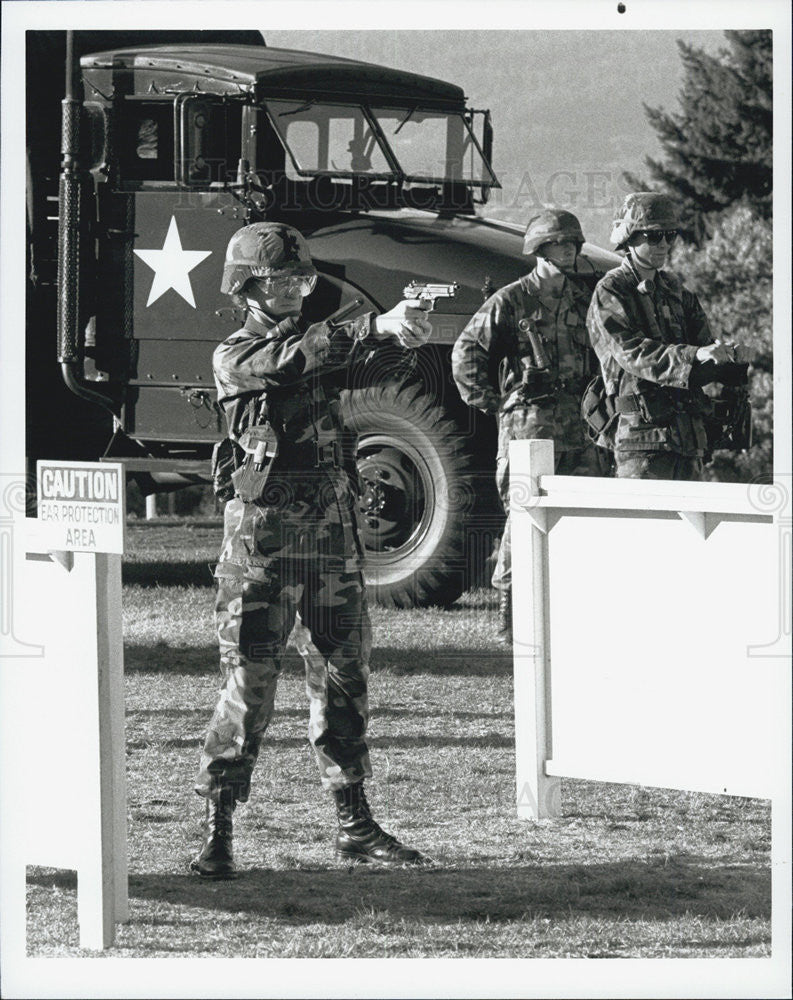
[[718, 353], [744, 354], [406, 323]]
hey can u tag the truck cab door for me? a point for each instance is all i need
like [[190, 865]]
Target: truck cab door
[[165, 221], [178, 313]]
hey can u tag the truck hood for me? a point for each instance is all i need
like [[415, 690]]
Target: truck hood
[[384, 251]]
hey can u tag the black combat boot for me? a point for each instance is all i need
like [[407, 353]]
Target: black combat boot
[[216, 859], [504, 634], [361, 839]]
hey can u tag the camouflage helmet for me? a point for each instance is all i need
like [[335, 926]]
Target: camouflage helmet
[[550, 225], [643, 210], [261, 250]]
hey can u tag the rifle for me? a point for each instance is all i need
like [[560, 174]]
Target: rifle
[[730, 424]]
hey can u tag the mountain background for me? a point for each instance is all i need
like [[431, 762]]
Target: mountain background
[[566, 105]]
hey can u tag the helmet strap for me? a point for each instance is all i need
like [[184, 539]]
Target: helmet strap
[[637, 267], [547, 268]]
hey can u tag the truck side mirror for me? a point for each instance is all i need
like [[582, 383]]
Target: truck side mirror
[[206, 148]]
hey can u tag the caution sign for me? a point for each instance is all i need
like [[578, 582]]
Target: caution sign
[[81, 506]]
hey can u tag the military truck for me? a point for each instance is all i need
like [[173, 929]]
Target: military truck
[[171, 141]]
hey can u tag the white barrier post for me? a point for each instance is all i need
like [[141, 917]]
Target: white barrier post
[[102, 896], [694, 572], [538, 796], [76, 818]]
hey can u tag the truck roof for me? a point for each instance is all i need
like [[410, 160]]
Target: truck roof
[[275, 72]]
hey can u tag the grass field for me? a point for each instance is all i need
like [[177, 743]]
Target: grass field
[[625, 872]]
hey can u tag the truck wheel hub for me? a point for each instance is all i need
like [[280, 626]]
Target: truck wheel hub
[[391, 493]]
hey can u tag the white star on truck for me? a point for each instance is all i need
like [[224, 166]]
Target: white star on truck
[[172, 266]]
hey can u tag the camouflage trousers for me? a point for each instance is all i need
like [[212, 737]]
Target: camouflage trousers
[[300, 560], [576, 462], [657, 465]]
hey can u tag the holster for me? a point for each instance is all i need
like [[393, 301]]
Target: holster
[[260, 445], [533, 388], [536, 383], [655, 407], [250, 480], [227, 456]]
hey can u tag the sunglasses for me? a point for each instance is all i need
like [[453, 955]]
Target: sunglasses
[[562, 243], [654, 236], [288, 284]]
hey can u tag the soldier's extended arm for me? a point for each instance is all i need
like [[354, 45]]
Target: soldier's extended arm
[[291, 351], [696, 322], [406, 323], [636, 353], [715, 361]]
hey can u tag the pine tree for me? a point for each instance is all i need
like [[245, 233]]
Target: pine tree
[[731, 273], [718, 147]]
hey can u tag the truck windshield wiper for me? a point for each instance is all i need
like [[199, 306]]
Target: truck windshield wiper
[[405, 120], [296, 111]]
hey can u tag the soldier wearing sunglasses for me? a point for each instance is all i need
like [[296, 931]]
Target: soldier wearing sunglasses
[[291, 554], [656, 350]]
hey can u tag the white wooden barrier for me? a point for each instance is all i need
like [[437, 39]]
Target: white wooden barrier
[[64, 762], [644, 613]]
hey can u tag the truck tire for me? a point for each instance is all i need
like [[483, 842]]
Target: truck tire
[[416, 473]]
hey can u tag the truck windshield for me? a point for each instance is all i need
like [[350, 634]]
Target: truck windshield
[[342, 140], [335, 139], [434, 146]]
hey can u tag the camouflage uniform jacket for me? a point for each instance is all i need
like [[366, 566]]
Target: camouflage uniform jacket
[[487, 357], [289, 374], [646, 344]]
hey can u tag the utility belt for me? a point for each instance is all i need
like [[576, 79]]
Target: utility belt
[[309, 456], [249, 481], [658, 407], [537, 387]]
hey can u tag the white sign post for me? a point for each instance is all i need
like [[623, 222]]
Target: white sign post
[[74, 758]]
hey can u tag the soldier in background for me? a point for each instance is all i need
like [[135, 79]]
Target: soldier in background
[[655, 349], [525, 357], [290, 541]]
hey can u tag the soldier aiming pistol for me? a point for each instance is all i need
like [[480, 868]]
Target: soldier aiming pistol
[[291, 552]]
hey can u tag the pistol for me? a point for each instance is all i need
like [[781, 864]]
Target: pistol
[[428, 293]]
